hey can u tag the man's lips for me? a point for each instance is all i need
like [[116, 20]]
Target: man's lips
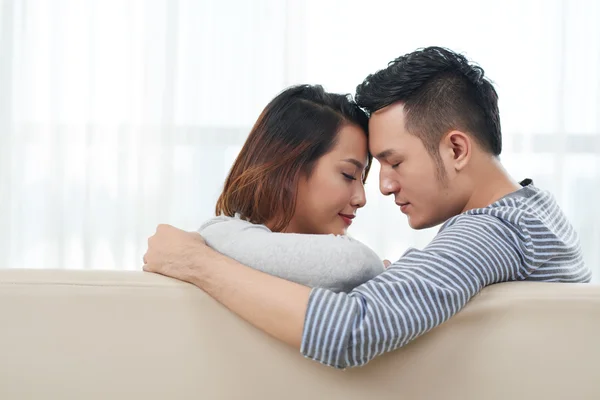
[[403, 206]]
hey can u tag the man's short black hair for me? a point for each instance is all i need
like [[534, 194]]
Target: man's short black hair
[[441, 91]]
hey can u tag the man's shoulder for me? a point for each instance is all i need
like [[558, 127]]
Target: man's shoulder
[[528, 220], [524, 206]]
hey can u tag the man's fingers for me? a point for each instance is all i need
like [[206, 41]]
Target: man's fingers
[[201, 238], [162, 227], [148, 268], [386, 263]]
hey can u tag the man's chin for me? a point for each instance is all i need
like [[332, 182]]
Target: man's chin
[[416, 224], [419, 224]]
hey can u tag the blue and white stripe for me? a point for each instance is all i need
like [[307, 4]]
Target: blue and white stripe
[[524, 236]]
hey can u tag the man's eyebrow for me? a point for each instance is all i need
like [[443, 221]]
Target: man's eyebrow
[[385, 154], [358, 164]]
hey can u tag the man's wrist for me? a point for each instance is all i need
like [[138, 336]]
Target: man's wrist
[[199, 267]]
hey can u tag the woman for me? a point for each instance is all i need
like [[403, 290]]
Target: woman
[[294, 189]]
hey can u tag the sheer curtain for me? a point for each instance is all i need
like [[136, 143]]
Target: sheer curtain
[[116, 115]]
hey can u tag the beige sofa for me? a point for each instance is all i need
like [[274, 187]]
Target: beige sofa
[[133, 335]]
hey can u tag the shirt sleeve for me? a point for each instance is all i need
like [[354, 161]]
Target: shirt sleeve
[[417, 293], [337, 263]]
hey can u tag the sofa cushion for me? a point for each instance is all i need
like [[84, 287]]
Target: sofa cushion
[[68, 334]]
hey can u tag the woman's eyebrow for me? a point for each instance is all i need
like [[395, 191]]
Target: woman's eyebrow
[[354, 161]]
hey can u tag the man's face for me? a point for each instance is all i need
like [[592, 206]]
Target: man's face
[[409, 172]]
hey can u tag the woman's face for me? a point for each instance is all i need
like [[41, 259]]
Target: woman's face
[[327, 200]]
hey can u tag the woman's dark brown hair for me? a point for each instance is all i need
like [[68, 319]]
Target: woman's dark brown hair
[[296, 128]]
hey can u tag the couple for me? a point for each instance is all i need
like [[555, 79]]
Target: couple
[[433, 125]]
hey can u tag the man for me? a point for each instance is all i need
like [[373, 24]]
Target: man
[[435, 130]]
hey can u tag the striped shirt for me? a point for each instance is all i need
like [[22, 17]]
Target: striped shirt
[[523, 236]]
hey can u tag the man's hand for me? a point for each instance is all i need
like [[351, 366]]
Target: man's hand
[[272, 304], [175, 253]]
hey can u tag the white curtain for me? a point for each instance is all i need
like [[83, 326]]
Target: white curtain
[[116, 115]]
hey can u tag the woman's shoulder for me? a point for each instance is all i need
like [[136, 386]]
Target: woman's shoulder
[[223, 223]]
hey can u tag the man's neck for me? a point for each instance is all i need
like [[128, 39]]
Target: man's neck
[[491, 182]]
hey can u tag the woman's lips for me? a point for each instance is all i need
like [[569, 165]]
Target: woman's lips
[[347, 218]]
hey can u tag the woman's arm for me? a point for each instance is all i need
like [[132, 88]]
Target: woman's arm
[[339, 263]]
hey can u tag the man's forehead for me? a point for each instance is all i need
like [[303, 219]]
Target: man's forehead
[[387, 123], [386, 139], [393, 144]]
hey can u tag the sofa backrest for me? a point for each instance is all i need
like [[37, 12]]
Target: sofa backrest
[[133, 335]]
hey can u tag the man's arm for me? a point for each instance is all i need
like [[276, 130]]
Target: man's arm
[[272, 304], [418, 292]]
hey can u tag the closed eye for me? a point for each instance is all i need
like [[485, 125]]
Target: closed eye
[[349, 177], [396, 165]]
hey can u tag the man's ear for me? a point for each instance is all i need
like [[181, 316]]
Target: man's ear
[[458, 145]]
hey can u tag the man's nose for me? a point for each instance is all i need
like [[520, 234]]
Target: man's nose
[[387, 185]]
